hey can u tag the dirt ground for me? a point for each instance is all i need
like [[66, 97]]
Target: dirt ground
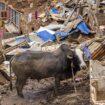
[[41, 93]]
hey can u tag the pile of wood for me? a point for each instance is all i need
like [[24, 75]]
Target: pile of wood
[[99, 52], [97, 48], [1, 57]]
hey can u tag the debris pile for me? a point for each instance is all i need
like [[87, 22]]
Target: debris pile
[[78, 23], [97, 82]]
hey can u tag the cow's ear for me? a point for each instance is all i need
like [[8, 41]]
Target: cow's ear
[[64, 47]]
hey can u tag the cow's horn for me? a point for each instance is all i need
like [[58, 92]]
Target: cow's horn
[[68, 56]]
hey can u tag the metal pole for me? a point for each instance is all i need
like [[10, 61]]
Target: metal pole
[[2, 34], [75, 89], [97, 6], [26, 28]]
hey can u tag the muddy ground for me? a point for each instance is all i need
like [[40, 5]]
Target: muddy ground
[[41, 93]]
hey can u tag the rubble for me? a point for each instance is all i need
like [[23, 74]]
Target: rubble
[[97, 85], [44, 25]]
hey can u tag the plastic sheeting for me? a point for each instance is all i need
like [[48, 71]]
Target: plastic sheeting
[[46, 34], [83, 28], [66, 34], [86, 51], [54, 11]]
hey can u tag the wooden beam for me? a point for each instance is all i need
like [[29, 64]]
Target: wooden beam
[[97, 5], [14, 47]]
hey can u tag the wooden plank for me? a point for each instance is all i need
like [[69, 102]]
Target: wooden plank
[[1, 57], [11, 28], [14, 47], [97, 5]]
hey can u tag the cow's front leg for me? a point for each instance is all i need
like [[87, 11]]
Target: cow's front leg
[[57, 84]]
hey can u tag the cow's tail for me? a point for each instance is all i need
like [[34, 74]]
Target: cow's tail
[[11, 87]]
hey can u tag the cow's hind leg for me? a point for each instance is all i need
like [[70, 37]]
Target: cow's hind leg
[[20, 82]]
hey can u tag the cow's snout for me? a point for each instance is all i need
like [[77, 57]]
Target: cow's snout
[[83, 66]]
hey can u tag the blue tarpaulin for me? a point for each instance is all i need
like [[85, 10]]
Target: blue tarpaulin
[[54, 11], [86, 51], [63, 34], [66, 34], [45, 35], [83, 28], [21, 39]]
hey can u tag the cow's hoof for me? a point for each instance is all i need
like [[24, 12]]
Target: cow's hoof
[[21, 95], [55, 94], [50, 97]]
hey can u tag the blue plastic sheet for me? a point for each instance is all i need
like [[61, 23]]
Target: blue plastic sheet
[[66, 34], [86, 51], [21, 39], [45, 36], [54, 11], [83, 28], [62, 34]]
